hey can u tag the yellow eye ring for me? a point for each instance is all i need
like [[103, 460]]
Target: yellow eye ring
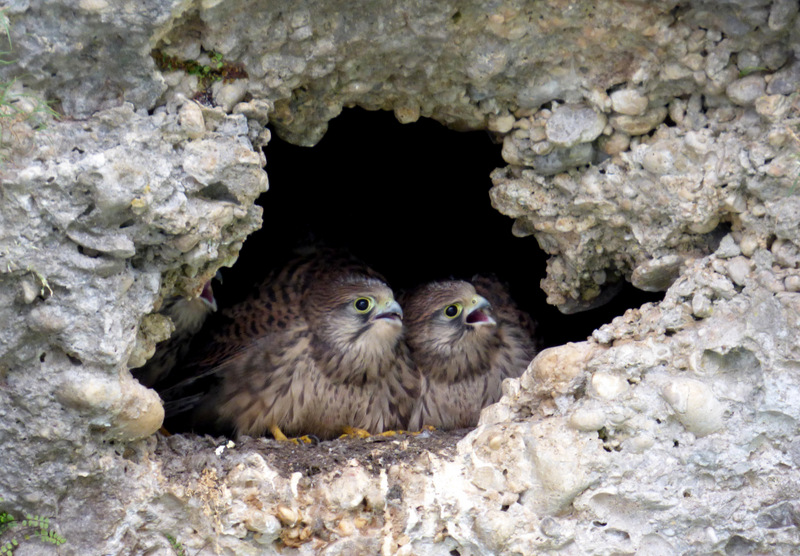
[[363, 304], [453, 310]]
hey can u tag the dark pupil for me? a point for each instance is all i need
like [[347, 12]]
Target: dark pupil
[[362, 304], [451, 311]]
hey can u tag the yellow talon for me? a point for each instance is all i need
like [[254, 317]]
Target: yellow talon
[[278, 435], [353, 432]]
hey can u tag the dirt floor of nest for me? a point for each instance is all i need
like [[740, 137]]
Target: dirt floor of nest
[[372, 453]]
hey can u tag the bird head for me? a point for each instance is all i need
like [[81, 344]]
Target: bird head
[[447, 317], [359, 313]]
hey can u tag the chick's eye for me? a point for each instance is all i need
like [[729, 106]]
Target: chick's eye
[[452, 311], [363, 304]]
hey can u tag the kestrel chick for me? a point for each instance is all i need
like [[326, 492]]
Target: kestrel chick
[[318, 348], [464, 345], [188, 316]]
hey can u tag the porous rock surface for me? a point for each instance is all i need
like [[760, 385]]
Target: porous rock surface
[[654, 142]]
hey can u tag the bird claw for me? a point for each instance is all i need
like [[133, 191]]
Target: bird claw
[[426, 428], [354, 432], [278, 435], [305, 439]]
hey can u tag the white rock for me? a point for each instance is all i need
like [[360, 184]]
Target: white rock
[[695, 405], [639, 125], [608, 386], [572, 124], [190, 118], [587, 419], [629, 101]]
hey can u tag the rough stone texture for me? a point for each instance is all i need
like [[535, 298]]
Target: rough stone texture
[[672, 430]]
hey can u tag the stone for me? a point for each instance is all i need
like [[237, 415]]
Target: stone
[[785, 81], [695, 406], [658, 274], [605, 446], [629, 102], [570, 125], [746, 90], [728, 248], [639, 125]]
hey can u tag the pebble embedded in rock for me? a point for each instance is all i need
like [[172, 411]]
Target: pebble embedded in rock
[[746, 90], [695, 405], [639, 125], [584, 419], [739, 269], [190, 118], [657, 274], [629, 102], [728, 248], [571, 124], [608, 386]]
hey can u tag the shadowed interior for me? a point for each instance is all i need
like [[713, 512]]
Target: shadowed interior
[[412, 201]]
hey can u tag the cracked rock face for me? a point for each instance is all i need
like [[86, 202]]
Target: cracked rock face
[[654, 142]]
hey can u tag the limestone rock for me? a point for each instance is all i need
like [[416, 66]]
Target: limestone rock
[[648, 149]]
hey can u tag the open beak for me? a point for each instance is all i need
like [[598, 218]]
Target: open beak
[[207, 295], [477, 313], [390, 311]]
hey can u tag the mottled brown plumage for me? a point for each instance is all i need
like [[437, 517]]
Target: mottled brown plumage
[[464, 342], [188, 316], [318, 348]]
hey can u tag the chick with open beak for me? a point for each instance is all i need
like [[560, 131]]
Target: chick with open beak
[[464, 350]]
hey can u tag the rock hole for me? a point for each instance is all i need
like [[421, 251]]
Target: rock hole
[[42, 357], [413, 202], [74, 360], [504, 508], [88, 210], [455, 552], [88, 252], [618, 535], [770, 240], [218, 192], [675, 444], [739, 546]]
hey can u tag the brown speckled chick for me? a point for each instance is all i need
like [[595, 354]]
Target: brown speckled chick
[[465, 339], [318, 348]]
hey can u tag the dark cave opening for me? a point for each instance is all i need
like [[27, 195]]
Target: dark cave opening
[[412, 201]]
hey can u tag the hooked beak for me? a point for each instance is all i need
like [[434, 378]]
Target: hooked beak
[[207, 295], [390, 311], [477, 312]]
